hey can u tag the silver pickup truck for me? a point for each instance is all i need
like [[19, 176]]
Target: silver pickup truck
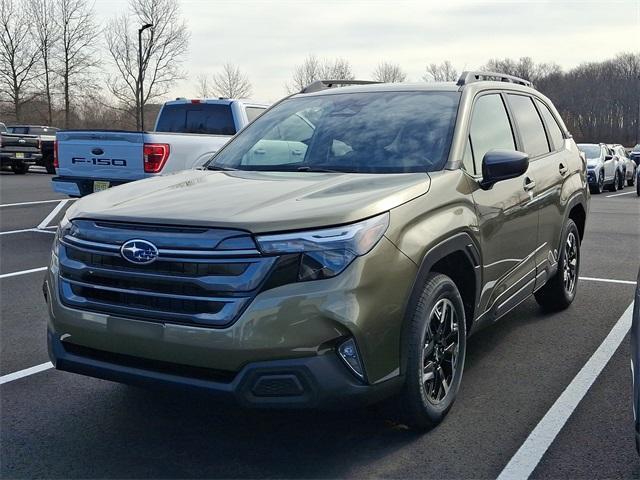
[[186, 135]]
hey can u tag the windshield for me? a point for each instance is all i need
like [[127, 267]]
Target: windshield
[[590, 151], [209, 118], [375, 132]]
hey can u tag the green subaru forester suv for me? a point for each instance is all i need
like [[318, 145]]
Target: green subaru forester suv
[[337, 252]]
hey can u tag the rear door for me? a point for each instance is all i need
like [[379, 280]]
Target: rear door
[[549, 167], [507, 222], [107, 155]]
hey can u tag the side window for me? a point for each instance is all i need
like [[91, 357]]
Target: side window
[[253, 113], [529, 124], [552, 125], [490, 128]]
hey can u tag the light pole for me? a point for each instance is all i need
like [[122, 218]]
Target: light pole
[[141, 90]]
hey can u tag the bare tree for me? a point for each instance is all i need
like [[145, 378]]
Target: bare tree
[[203, 88], [389, 73], [231, 82], [47, 36], [163, 50], [443, 72], [78, 48], [313, 69], [19, 56]]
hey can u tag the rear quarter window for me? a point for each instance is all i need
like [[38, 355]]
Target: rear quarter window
[[552, 125], [212, 119]]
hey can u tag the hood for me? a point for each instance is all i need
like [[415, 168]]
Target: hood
[[254, 201]]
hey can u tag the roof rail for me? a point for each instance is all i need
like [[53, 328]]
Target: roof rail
[[470, 77], [319, 85]]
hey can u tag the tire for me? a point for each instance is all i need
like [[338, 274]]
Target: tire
[[20, 169], [598, 187], [558, 293], [614, 185], [638, 185], [425, 402], [632, 181], [621, 180], [50, 168]]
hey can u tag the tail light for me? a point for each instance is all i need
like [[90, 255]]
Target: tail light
[[55, 154], [155, 156]]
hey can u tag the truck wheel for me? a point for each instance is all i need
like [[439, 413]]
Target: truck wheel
[[560, 290], [436, 343], [20, 169]]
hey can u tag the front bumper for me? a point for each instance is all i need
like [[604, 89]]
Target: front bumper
[[78, 187], [298, 326], [310, 382]]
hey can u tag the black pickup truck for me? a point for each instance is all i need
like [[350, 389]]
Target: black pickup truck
[[18, 152], [46, 135]]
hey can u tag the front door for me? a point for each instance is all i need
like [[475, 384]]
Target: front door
[[508, 225]]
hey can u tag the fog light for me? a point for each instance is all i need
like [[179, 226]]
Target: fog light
[[349, 354]]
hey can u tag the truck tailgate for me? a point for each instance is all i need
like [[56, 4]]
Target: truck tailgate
[[101, 155]]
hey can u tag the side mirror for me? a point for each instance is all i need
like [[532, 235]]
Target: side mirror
[[498, 165], [608, 157]]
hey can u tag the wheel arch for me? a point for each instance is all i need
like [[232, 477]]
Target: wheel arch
[[458, 257]]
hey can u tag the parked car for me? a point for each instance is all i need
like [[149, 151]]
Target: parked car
[[634, 154], [602, 167], [626, 166], [351, 271], [18, 151], [635, 358], [47, 137], [186, 135]]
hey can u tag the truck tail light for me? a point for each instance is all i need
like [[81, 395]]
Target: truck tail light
[[55, 154], [155, 156]]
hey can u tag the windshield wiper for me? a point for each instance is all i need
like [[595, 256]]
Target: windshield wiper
[[218, 167], [318, 170]]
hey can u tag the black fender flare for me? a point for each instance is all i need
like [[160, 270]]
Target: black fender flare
[[578, 198], [460, 242]]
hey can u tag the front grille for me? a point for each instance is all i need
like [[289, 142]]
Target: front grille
[[204, 277]]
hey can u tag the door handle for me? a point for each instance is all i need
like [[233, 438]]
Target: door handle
[[529, 184], [260, 151], [562, 169]]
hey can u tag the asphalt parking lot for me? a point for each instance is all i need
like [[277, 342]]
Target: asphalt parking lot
[[59, 425]]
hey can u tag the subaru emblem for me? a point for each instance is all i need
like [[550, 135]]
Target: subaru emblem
[[139, 251]]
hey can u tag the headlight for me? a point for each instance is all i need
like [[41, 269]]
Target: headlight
[[63, 227], [327, 252]]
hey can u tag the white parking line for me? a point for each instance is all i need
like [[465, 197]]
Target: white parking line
[[22, 272], [25, 373], [607, 280], [35, 203], [11, 232], [52, 215], [524, 462], [618, 194]]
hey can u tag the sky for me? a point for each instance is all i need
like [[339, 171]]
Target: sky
[[268, 38]]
